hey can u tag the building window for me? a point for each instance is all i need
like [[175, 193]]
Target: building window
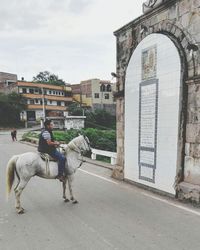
[[102, 88], [58, 103], [24, 91], [68, 94], [50, 92], [106, 96], [96, 95], [31, 101], [50, 102], [108, 88], [36, 101], [31, 91]]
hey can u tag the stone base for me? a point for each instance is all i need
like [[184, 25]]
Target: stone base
[[188, 192], [118, 173]]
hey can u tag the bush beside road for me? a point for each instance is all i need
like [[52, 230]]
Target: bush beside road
[[99, 139]]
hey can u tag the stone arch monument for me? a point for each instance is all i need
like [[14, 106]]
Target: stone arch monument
[[158, 103]]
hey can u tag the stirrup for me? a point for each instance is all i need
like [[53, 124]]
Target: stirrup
[[60, 178]]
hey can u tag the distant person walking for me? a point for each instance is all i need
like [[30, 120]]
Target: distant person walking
[[14, 134]]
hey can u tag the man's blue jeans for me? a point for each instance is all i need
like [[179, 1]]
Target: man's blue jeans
[[61, 161]]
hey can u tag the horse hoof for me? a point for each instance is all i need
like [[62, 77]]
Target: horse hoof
[[66, 200], [75, 202], [20, 211]]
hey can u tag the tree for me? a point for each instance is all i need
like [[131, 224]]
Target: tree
[[47, 77], [75, 109], [100, 119], [10, 107]]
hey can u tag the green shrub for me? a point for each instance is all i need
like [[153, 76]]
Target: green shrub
[[65, 136], [30, 134], [103, 158], [99, 139]]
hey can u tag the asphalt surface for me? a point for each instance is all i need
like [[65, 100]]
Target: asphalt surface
[[109, 215]]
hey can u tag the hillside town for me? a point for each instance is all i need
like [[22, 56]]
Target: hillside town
[[46, 100]]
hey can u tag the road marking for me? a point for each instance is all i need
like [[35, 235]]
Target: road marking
[[98, 176], [171, 203]]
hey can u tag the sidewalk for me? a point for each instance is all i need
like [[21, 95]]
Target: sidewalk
[[19, 130], [99, 163]]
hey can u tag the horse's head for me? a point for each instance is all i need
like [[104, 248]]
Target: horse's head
[[80, 144], [84, 143]]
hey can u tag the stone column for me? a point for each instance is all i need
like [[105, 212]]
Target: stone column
[[118, 171]]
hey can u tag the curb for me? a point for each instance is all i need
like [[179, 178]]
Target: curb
[[99, 163]]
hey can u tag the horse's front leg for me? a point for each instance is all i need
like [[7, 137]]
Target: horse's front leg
[[70, 178], [64, 191]]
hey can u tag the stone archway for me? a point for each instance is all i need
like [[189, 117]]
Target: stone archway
[[189, 66], [179, 22]]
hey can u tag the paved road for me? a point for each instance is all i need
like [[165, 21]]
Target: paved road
[[109, 215]]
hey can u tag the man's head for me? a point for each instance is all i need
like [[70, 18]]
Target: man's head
[[48, 124]]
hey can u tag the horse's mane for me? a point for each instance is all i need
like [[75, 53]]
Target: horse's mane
[[76, 139], [73, 143]]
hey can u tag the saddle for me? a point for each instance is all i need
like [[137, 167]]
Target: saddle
[[46, 157]]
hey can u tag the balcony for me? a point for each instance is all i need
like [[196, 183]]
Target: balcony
[[47, 97], [47, 107]]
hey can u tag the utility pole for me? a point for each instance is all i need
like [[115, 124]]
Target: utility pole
[[43, 104]]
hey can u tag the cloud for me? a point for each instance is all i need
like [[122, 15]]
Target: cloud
[[71, 38], [78, 6], [20, 15]]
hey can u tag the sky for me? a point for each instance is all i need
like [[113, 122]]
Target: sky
[[70, 38]]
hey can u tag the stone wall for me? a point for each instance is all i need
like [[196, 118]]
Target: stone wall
[[180, 21]]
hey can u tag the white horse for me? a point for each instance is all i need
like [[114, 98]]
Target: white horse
[[30, 164]]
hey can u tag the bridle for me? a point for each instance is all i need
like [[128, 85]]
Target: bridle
[[74, 147]]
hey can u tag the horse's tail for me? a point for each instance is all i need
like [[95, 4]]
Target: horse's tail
[[10, 174]]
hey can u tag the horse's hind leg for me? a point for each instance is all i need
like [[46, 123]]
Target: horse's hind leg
[[18, 190], [64, 191], [70, 178]]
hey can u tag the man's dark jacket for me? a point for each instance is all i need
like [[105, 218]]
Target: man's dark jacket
[[43, 147]]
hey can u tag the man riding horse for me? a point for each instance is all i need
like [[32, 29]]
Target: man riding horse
[[48, 145]]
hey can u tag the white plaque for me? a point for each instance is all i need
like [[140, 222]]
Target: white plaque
[[148, 128]]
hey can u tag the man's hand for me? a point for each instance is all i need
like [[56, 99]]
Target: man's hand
[[56, 143], [53, 143]]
